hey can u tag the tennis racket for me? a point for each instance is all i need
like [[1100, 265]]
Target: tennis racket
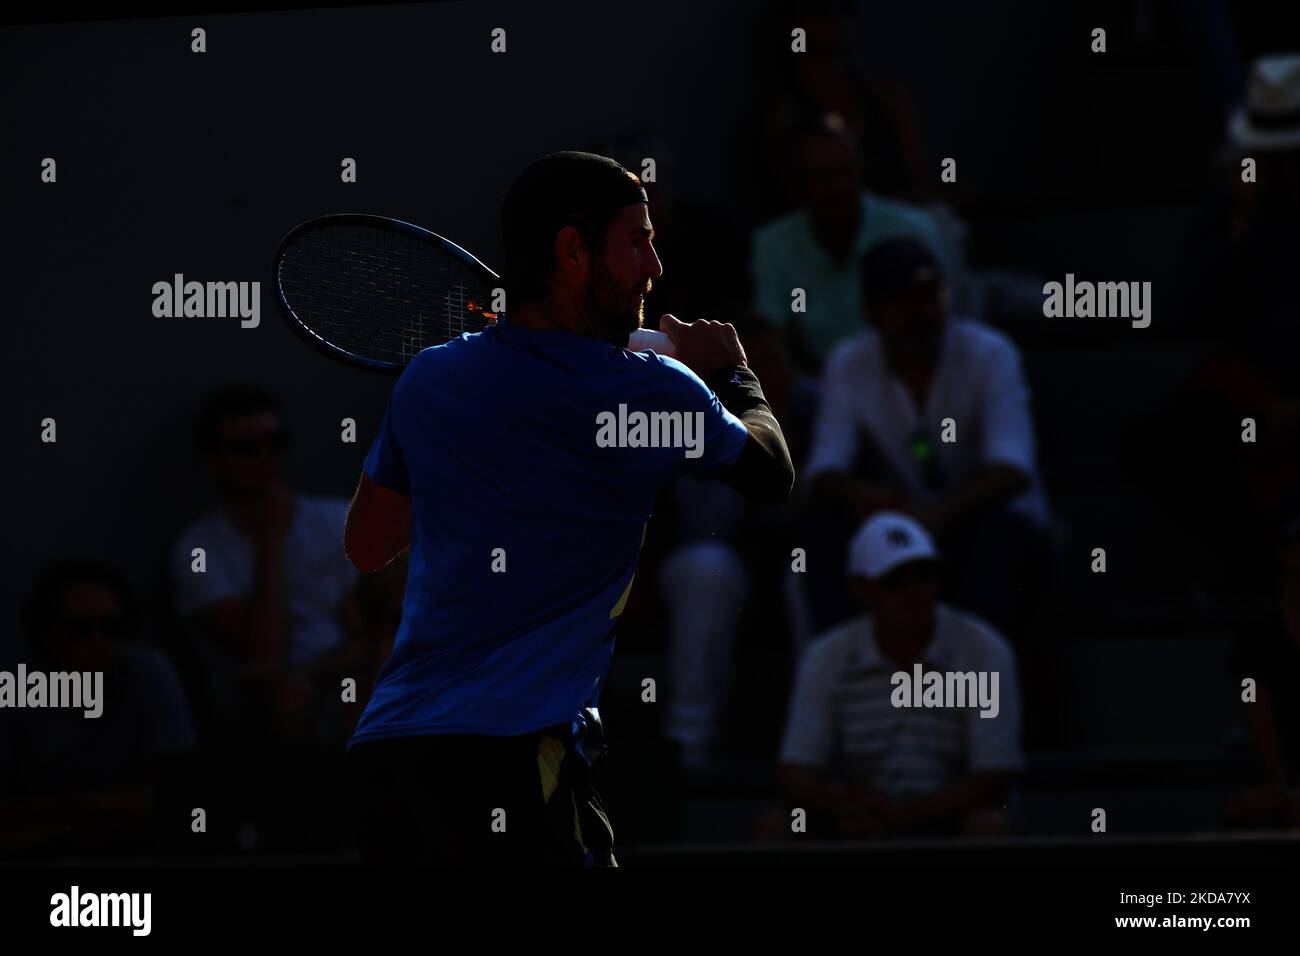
[[374, 292]]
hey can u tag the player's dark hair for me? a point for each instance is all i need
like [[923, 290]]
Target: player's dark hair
[[576, 189], [41, 603], [230, 401]]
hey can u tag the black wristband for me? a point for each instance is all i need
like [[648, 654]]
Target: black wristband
[[737, 388]]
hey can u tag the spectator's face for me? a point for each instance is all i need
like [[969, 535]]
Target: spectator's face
[[902, 602], [828, 178], [911, 322], [622, 275], [87, 628], [249, 454]]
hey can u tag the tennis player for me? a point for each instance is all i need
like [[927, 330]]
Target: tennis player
[[524, 529]]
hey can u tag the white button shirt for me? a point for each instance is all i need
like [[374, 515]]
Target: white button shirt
[[979, 384]]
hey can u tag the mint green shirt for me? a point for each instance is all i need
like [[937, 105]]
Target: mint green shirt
[[786, 256]]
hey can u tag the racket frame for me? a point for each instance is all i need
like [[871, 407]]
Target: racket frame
[[324, 346]]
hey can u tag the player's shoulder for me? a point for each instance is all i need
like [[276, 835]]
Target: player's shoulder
[[452, 350], [663, 384], [438, 365], [456, 352], [664, 371]]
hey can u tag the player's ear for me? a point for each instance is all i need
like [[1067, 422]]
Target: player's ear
[[570, 253]]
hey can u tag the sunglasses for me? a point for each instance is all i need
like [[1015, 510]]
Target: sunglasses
[[255, 446]]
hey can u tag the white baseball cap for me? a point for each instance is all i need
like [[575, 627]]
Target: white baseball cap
[[1270, 117], [886, 540]]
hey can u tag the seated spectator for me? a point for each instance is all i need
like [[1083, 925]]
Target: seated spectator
[[883, 118], [74, 784], [274, 612], [880, 437], [879, 112], [727, 552], [857, 762], [1272, 660], [819, 246]]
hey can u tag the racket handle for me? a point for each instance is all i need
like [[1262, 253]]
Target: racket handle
[[643, 339]]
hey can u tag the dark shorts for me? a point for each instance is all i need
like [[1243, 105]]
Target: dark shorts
[[468, 800]]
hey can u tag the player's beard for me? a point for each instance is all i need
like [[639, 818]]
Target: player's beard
[[615, 311]]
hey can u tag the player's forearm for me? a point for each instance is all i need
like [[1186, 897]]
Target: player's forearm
[[764, 472], [375, 553], [378, 525]]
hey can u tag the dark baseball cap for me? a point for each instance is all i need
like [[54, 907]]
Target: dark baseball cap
[[893, 265]]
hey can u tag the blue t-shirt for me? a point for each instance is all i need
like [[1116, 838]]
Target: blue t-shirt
[[530, 459]]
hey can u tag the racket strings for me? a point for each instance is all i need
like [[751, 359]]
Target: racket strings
[[379, 294]]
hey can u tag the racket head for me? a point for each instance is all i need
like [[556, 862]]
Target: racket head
[[373, 292]]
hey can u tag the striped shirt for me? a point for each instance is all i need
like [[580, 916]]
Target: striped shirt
[[842, 719]]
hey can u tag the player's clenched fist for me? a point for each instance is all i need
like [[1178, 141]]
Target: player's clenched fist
[[703, 345]]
